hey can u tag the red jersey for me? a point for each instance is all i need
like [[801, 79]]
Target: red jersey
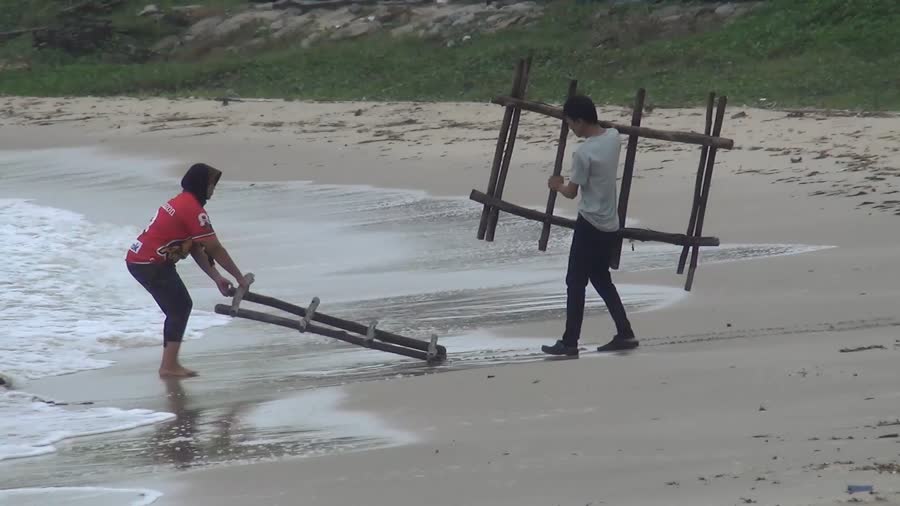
[[171, 232]]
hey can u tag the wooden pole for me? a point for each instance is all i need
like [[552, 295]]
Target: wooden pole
[[704, 195], [498, 152], [698, 184], [494, 213], [557, 170], [241, 291], [628, 173], [650, 133], [347, 325], [324, 331], [638, 234]]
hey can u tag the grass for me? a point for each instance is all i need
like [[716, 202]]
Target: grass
[[796, 53]]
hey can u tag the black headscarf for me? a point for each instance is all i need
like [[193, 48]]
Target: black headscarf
[[197, 179]]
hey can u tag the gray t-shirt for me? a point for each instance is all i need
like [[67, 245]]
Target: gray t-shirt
[[594, 166]]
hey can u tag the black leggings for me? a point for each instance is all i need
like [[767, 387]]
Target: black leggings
[[169, 292], [589, 259]]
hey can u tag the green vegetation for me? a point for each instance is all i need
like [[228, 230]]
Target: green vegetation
[[794, 53]]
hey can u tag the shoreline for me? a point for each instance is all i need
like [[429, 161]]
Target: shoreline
[[760, 308]]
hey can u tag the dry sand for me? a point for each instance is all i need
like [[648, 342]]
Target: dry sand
[[740, 393]]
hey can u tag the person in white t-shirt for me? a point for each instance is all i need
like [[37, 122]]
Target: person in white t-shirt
[[594, 167]]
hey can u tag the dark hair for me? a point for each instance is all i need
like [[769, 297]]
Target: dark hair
[[197, 180], [581, 108]]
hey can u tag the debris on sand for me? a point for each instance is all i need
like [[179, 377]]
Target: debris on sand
[[863, 348], [860, 489], [890, 467]]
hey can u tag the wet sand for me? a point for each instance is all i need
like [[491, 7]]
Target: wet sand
[[740, 392]]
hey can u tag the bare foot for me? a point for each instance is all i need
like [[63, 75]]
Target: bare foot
[[177, 372]]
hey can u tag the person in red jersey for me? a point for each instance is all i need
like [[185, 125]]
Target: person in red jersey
[[180, 227]]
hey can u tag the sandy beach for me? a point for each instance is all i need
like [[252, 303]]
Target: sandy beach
[[747, 390]]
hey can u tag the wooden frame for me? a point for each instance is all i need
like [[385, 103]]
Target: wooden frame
[[710, 141], [370, 336]]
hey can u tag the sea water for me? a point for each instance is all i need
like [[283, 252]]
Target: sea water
[[402, 257]]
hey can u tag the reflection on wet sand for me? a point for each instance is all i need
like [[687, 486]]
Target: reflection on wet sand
[[177, 442], [403, 258]]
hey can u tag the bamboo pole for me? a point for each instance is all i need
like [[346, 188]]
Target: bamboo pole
[[324, 331], [698, 184], [557, 170], [628, 173], [340, 323], [494, 213], [704, 195], [637, 234], [650, 133], [498, 151]]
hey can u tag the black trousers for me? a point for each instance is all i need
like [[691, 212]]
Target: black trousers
[[589, 259], [170, 294]]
